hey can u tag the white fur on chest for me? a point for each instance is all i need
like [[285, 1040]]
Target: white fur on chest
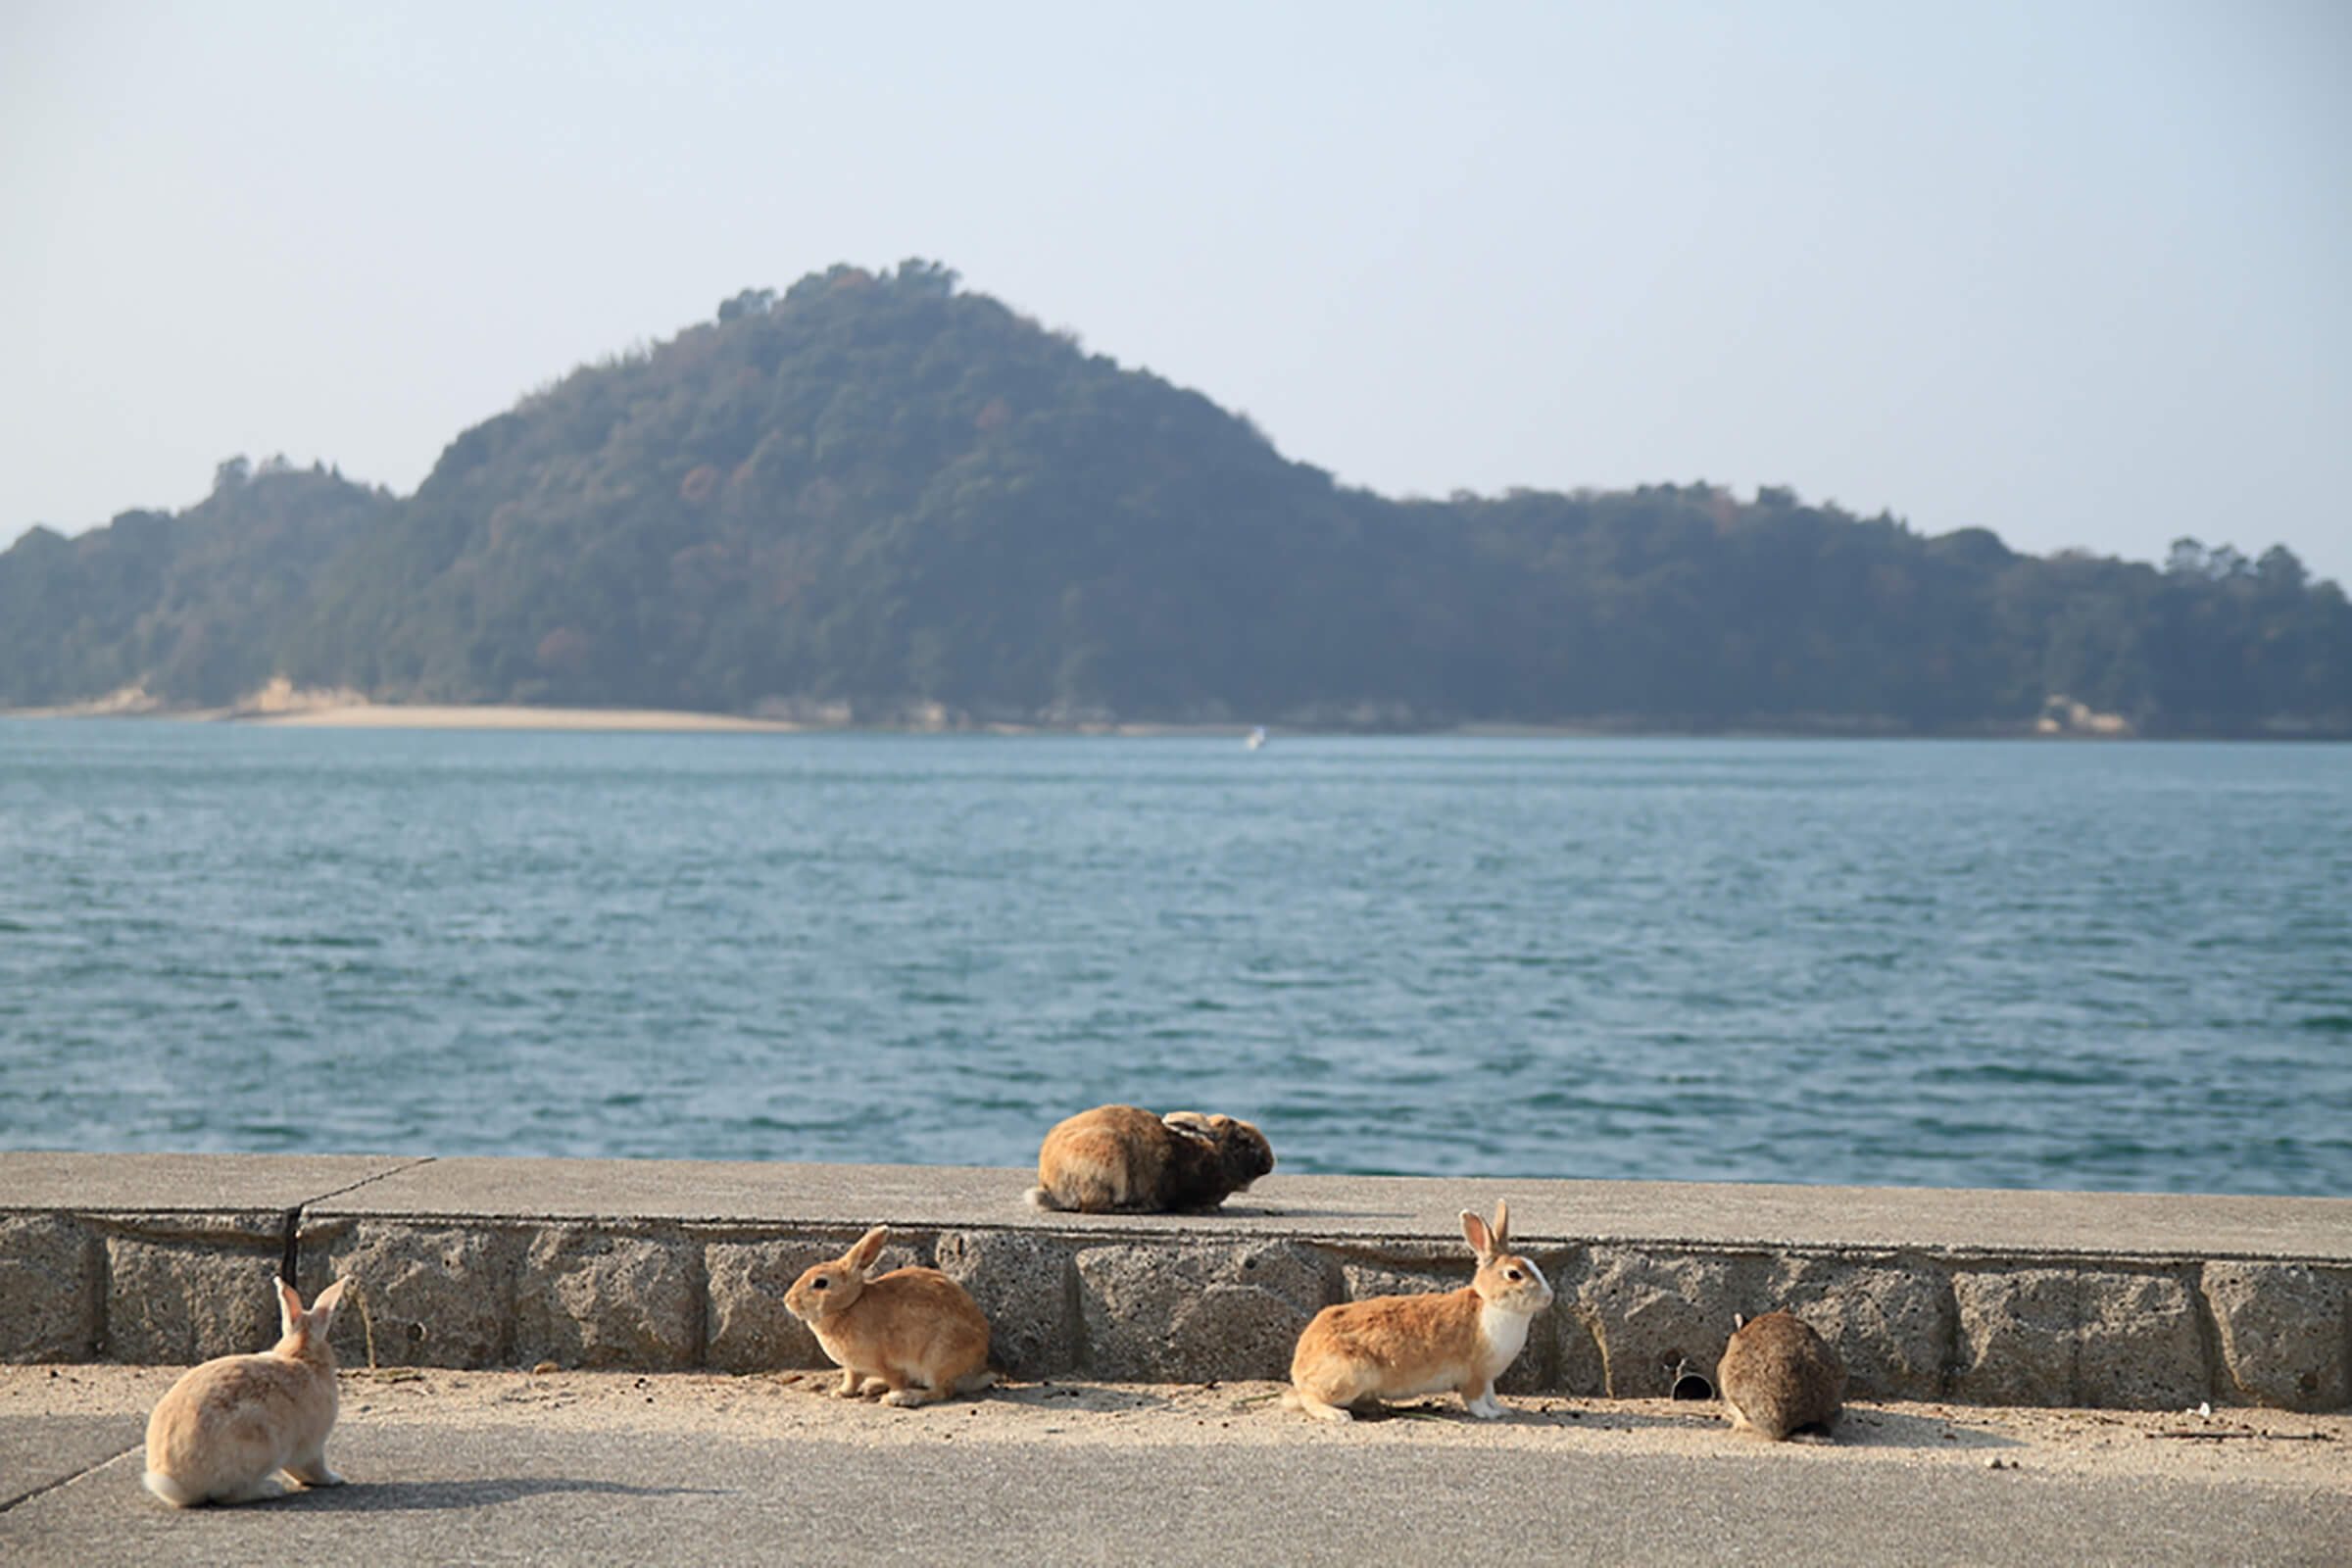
[[1501, 1335]]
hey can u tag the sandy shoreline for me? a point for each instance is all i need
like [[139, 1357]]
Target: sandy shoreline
[[296, 710], [354, 714], [427, 715], [386, 715]]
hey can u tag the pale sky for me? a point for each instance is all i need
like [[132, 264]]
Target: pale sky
[[2074, 273]]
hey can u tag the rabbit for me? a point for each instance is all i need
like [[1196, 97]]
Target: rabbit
[[1779, 1377], [224, 1432], [1123, 1160], [911, 1335], [1398, 1346]]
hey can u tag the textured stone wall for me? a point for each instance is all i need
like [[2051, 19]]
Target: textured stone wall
[[1185, 1304]]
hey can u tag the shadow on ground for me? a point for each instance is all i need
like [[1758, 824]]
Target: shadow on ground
[[424, 1496], [1098, 1399], [1873, 1427], [1861, 1427]]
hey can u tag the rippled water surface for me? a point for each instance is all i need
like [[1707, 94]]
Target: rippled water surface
[[1981, 964]]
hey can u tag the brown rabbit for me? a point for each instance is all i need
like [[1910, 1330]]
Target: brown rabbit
[[1780, 1376], [1124, 1159], [1398, 1347], [224, 1432], [911, 1335]]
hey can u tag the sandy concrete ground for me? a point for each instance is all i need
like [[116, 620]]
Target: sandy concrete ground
[[581, 1467], [2270, 1445]]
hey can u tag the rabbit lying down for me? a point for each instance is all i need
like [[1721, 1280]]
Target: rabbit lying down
[[1124, 1159]]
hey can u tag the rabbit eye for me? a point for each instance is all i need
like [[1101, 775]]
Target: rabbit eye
[[1512, 1273], [822, 1283]]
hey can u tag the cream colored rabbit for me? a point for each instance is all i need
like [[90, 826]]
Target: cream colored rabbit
[[1398, 1347], [225, 1429], [911, 1335]]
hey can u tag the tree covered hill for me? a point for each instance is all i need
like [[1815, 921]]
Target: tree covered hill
[[194, 606], [877, 497]]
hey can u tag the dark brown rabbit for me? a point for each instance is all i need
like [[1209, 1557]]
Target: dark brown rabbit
[[1780, 1376]]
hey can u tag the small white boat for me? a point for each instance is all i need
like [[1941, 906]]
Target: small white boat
[[1257, 737]]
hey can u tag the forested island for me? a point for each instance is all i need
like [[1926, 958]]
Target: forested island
[[878, 499]]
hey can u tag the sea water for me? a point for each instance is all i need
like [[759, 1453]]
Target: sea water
[[2082, 966]]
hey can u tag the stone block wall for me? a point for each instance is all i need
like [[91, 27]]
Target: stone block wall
[[1201, 1301]]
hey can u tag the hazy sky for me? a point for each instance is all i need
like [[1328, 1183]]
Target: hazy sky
[[2074, 273]]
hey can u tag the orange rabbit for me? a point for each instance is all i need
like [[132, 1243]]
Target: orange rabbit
[[1398, 1347], [911, 1335]]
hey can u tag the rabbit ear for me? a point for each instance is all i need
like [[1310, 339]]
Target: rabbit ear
[[1502, 1224], [1475, 1232], [289, 1307], [322, 1309], [869, 1246], [1189, 1124]]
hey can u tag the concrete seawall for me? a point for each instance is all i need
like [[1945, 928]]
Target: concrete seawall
[[1988, 1297]]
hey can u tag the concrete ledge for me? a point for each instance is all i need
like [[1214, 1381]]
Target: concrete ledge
[[1995, 1298]]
